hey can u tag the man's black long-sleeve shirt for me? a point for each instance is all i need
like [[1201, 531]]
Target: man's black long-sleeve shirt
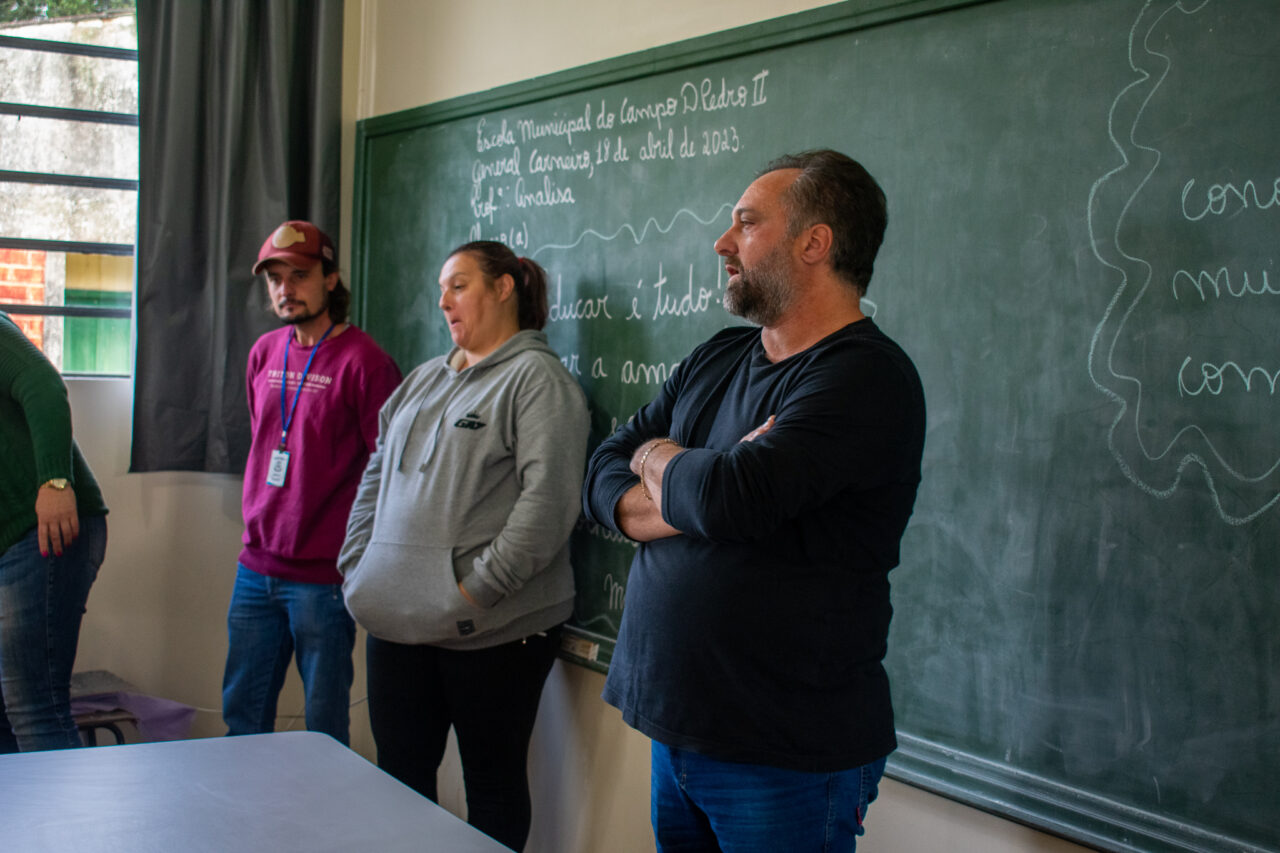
[[758, 634]]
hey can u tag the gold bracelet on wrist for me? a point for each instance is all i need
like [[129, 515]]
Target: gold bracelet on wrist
[[645, 458]]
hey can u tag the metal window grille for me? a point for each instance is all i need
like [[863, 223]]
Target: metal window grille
[[68, 180]]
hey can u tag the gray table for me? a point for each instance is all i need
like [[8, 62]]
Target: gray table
[[289, 791]]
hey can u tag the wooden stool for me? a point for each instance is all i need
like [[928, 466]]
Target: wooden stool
[[96, 683]]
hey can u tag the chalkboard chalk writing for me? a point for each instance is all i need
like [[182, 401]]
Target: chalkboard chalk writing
[[1214, 377], [612, 151], [1228, 199], [583, 308], [630, 113], [546, 195], [497, 139], [517, 236], [1217, 285], [639, 373], [508, 164], [616, 591], [570, 363], [681, 305], [557, 128], [578, 162]]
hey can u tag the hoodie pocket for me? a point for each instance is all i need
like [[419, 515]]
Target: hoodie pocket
[[409, 594]]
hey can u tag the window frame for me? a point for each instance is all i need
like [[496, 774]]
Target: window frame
[[63, 180]]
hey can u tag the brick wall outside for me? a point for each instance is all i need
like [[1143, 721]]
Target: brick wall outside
[[22, 283]]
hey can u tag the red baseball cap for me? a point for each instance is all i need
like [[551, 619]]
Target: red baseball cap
[[298, 243]]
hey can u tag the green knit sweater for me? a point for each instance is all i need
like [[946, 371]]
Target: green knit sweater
[[35, 437]]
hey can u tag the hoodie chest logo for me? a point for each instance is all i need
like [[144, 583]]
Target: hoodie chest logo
[[471, 420]]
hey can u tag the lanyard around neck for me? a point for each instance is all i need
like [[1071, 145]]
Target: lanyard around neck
[[286, 417]]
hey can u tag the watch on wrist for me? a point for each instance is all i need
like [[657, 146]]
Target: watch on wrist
[[59, 483]]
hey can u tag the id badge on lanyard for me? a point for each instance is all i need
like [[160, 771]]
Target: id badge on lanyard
[[278, 470]]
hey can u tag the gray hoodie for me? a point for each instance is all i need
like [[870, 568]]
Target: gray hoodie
[[476, 480]]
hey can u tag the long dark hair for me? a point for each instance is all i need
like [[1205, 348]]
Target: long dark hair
[[496, 260], [339, 297]]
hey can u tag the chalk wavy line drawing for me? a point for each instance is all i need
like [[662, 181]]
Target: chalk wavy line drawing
[[638, 238], [609, 623], [1189, 458]]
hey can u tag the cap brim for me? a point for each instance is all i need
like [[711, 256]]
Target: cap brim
[[302, 262]]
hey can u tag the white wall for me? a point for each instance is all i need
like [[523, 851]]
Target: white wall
[[156, 615]]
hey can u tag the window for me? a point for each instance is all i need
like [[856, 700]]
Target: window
[[69, 178]]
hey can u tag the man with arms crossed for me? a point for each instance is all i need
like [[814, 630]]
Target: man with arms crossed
[[769, 484], [314, 389]]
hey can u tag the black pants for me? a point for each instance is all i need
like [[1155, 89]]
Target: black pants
[[490, 698]]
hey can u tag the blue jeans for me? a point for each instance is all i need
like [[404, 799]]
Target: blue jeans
[[269, 619], [41, 602], [701, 805]]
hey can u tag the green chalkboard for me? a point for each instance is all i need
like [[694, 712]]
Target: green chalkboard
[[1081, 257]]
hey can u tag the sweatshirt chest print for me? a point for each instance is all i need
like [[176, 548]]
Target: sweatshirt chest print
[[471, 420]]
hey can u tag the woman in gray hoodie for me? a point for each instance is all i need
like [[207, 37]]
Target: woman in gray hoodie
[[456, 558]]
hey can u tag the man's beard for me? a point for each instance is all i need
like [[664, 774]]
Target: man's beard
[[305, 315], [761, 294]]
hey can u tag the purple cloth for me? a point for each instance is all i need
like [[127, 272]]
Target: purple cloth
[[158, 719]]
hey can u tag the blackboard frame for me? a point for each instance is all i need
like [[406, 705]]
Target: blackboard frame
[[1007, 791]]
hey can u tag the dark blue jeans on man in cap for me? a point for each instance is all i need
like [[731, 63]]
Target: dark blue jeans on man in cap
[[268, 621], [42, 600], [701, 805]]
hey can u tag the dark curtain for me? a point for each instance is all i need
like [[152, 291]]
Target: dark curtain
[[239, 108]]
